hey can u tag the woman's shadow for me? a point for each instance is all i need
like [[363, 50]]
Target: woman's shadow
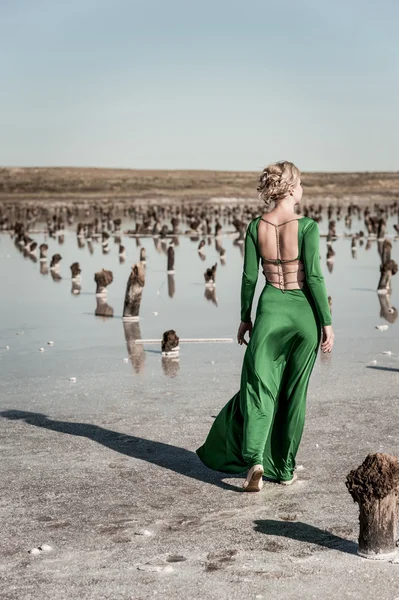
[[170, 457]]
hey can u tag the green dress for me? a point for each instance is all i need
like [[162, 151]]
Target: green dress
[[263, 422]]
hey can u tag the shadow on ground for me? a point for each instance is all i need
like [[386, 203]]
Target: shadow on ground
[[302, 532], [170, 457], [383, 368]]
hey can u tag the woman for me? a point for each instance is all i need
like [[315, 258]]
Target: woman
[[260, 428]]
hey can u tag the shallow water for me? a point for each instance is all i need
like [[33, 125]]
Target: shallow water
[[36, 309]]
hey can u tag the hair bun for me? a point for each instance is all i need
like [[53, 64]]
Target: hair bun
[[276, 179]]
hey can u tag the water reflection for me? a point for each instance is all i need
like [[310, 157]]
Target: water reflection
[[170, 366], [135, 351], [387, 312], [171, 285]]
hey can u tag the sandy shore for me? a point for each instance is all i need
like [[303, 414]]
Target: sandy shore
[[126, 185]]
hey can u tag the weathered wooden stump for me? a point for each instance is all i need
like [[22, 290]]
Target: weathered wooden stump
[[387, 270], [210, 276], [75, 271], [382, 228], [170, 343], [103, 309], [134, 291], [374, 486], [386, 251], [103, 279], [55, 262], [171, 259], [332, 233]]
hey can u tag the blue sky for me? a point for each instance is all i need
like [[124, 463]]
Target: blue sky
[[177, 84]]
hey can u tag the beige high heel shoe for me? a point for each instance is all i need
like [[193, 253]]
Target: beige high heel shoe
[[254, 481]]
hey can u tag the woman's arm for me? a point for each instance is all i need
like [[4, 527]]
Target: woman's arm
[[250, 273], [314, 275]]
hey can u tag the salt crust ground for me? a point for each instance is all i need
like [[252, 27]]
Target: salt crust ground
[[131, 514]]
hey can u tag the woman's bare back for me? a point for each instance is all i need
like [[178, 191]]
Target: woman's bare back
[[279, 249]]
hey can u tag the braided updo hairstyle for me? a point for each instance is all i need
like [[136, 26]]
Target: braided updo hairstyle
[[276, 180]]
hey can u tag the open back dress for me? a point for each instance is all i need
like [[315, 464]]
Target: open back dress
[[263, 422]]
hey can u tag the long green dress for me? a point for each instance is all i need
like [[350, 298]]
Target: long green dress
[[263, 422]]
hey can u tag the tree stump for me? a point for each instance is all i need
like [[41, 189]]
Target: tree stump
[[170, 343], [55, 262], [374, 486], [210, 276], [134, 290], [103, 279], [103, 309], [75, 271]]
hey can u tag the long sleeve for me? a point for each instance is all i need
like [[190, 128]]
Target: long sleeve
[[314, 275], [250, 273]]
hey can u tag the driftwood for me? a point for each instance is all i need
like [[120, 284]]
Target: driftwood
[[103, 279], [374, 486], [387, 270], [134, 290]]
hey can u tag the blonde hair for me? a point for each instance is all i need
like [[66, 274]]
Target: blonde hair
[[276, 180]]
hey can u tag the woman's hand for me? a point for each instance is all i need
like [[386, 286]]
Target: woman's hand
[[327, 341], [243, 328]]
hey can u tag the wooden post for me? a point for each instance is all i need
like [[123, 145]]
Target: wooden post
[[55, 262], [210, 276], [143, 257], [134, 290], [374, 486], [75, 271], [103, 309], [103, 279]]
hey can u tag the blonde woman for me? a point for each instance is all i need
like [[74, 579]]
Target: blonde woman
[[260, 428]]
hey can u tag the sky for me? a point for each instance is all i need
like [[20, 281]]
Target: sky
[[210, 84]]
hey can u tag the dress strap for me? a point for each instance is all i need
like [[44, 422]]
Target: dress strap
[[274, 225]]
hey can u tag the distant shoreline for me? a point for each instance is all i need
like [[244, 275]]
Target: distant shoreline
[[68, 184]]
